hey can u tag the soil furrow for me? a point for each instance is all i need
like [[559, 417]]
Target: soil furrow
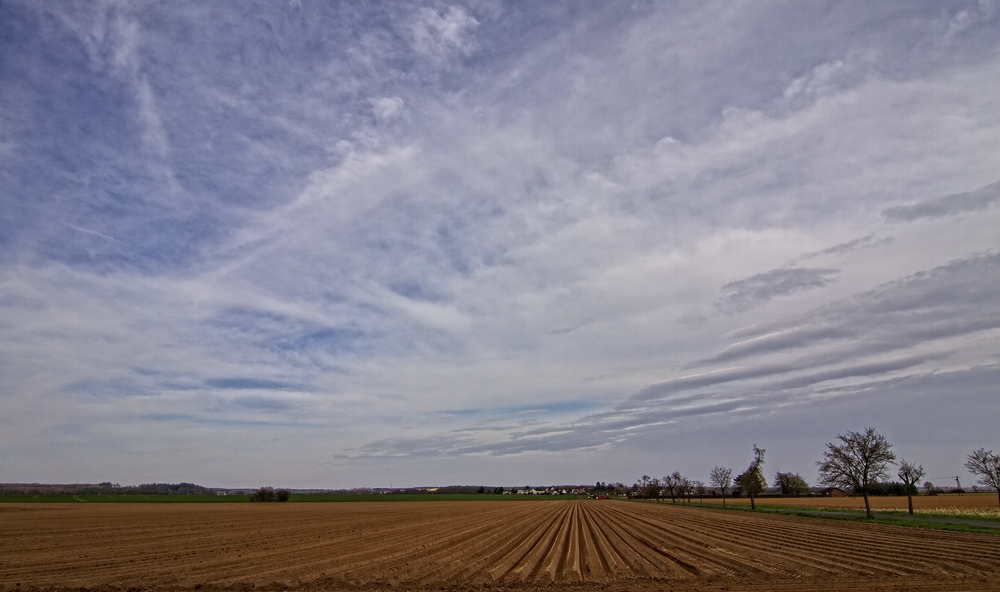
[[531, 564], [517, 553], [835, 560], [576, 546]]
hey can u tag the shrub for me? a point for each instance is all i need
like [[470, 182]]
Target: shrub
[[887, 488], [264, 494]]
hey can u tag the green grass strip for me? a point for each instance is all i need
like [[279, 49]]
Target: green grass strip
[[854, 516]]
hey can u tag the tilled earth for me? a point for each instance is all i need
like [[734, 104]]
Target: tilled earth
[[563, 545]]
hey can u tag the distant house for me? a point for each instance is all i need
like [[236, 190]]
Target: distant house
[[834, 492]]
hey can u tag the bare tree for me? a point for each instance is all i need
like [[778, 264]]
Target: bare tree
[[722, 479], [910, 474], [673, 482], [644, 485], [685, 488], [752, 480], [653, 489], [986, 465], [699, 488], [860, 460]]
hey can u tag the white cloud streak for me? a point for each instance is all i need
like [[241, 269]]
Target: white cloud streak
[[393, 243]]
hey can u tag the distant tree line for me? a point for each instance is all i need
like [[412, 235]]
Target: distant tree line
[[106, 488], [858, 462]]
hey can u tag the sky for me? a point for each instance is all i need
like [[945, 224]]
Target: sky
[[364, 244]]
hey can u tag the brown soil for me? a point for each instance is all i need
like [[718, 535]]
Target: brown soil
[[568, 545]]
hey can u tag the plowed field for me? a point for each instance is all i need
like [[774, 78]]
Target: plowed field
[[573, 545]]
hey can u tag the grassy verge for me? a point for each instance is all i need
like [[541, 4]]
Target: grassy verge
[[916, 522], [854, 516], [967, 515]]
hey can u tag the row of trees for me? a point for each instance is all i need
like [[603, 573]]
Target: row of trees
[[675, 485], [862, 459], [858, 461]]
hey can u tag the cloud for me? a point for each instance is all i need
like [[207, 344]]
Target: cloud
[[248, 384], [863, 242], [848, 348], [948, 205], [936, 304], [468, 233], [387, 108], [629, 428], [442, 34], [262, 403], [113, 38], [828, 78], [761, 288], [845, 366], [977, 14]]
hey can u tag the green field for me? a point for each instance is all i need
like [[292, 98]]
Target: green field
[[424, 497], [296, 497], [66, 498], [934, 521]]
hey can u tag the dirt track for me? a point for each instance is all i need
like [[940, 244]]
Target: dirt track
[[574, 544]]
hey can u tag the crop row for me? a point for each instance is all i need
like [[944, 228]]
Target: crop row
[[434, 544]]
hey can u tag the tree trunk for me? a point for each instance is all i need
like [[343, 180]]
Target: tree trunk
[[868, 508], [723, 501], [752, 505], [909, 501]]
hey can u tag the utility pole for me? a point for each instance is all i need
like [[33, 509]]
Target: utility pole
[[958, 485]]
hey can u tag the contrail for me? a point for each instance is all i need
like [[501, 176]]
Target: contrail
[[95, 233]]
